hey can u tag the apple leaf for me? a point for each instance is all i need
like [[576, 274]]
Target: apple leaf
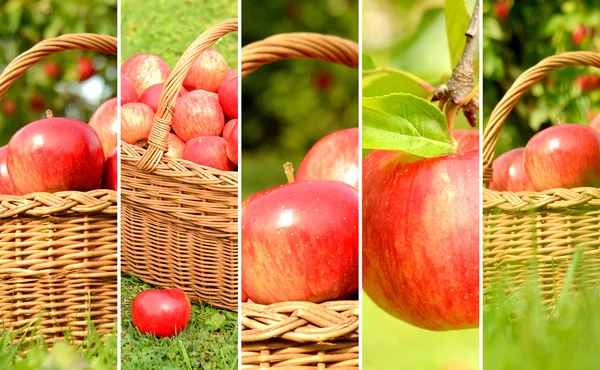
[[457, 22], [406, 123], [367, 62]]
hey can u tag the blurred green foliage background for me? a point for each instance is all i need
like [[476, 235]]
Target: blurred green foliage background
[[410, 35], [24, 23], [289, 105], [516, 36]]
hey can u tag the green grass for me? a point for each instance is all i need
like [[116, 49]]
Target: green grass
[[209, 341], [521, 332], [96, 352], [389, 343], [167, 27]]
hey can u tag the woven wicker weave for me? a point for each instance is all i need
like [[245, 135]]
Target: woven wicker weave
[[529, 232], [300, 335], [58, 252], [180, 219]]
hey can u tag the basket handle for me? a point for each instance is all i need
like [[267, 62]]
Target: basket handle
[[301, 45], [162, 119], [518, 88], [78, 41]]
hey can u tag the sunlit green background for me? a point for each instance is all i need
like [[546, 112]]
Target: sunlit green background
[[24, 23], [533, 31], [289, 105], [410, 35]]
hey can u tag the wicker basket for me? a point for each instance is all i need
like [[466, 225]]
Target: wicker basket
[[529, 232], [300, 335], [58, 252], [179, 219]]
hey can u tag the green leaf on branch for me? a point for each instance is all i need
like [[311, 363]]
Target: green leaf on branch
[[457, 22], [404, 122], [367, 62]]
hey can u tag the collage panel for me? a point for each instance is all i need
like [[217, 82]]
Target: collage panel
[[179, 184], [58, 182], [420, 185], [541, 158], [300, 178]]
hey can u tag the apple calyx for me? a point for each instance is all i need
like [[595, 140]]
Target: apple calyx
[[289, 171]]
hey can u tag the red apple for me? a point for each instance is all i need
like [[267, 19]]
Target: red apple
[[421, 237], [7, 186], [197, 113], [145, 70], [52, 69], [110, 178], [500, 168], [128, 93], [151, 96], [228, 97], [578, 34], [563, 156], [136, 122], [162, 313], [588, 82], [9, 107], [244, 297], [207, 72], [307, 230], [517, 177], [176, 146], [229, 126], [230, 74], [232, 144], [501, 9], [86, 69], [104, 121], [466, 140], [55, 154], [334, 157], [208, 151]]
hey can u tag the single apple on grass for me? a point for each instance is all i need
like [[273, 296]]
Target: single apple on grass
[[210, 151], [55, 154], [334, 157], [128, 93], [207, 72], [7, 186], [145, 70], [305, 231], [151, 96], [136, 122], [162, 313], [421, 237], [104, 121], [232, 144], [563, 156], [228, 97], [197, 113], [110, 176]]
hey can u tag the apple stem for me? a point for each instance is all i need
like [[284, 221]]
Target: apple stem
[[560, 121], [289, 171], [49, 113]]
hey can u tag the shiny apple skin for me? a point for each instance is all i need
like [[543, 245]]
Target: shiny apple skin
[[210, 151], [229, 126], [334, 157], [55, 154], [7, 186], [128, 93], [104, 121], [110, 178], [228, 97], [421, 237], [162, 313], [145, 70], [517, 178], [500, 168], [300, 242], [207, 72], [151, 96], [466, 140], [175, 145], [563, 156], [197, 113], [136, 122], [232, 144]]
